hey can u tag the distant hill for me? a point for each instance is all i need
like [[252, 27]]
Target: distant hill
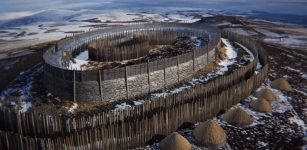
[[43, 16]]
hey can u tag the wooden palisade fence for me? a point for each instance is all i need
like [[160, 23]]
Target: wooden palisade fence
[[133, 127], [97, 83]]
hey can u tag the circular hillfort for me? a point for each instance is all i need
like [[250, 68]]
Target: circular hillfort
[[150, 78], [125, 62]]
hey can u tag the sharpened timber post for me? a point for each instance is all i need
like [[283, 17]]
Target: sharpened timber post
[[99, 72], [126, 82], [208, 54], [148, 77], [74, 85], [164, 66], [193, 61], [178, 68]]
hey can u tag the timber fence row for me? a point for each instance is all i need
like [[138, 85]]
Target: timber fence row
[[69, 45], [64, 72], [128, 132], [43, 125]]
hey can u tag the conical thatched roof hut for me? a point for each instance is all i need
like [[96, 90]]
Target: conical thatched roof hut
[[267, 94], [261, 105], [209, 133], [238, 117], [175, 141], [281, 84]]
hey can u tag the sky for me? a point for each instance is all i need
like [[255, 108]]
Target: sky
[[16, 8]]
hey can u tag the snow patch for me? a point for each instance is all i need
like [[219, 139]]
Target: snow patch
[[122, 106], [230, 50], [119, 16], [298, 91], [78, 64], [303, 75], [83, 55], [155, 17], [250, 55], [73, 108], [262, 144], [182, 18], [140, 102], [291, 41], [25, 106], [297, 121]]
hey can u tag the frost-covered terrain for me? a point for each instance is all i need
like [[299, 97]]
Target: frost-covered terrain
[[279, 129], [284, 128]]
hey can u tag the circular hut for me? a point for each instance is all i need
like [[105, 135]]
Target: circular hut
[[210, 134], [261, 105], [266, 94], [281, 84], [175, 141], [238, 117]]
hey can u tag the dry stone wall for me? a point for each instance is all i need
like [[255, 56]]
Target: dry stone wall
[[113, 89]]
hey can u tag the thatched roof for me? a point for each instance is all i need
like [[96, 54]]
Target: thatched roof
[[175, 141], [238, 117], [261, 105], [281, 84], [209, 133], [267, 94]]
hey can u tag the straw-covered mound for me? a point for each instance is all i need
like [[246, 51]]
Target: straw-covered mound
[[238, 117], [209, 133], [175, 141], [261, 105], [281, 84], [267, 94]]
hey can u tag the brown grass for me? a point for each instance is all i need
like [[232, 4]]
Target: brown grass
[[66, 103], [209, 133], [281, 84], [222, 53], [267, 94], [261, 105], [175, 141], [238, 117]]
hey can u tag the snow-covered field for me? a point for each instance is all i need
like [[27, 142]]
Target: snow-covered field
[[41, 26], [57, 23]]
